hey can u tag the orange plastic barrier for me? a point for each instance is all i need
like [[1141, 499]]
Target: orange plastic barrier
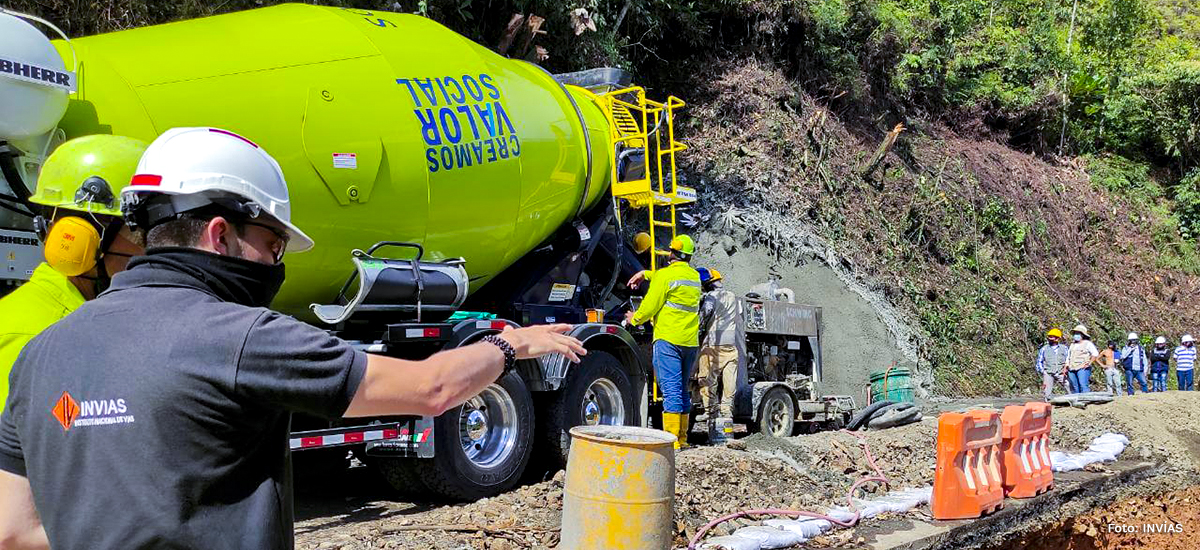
[[1026, 449], [967, 483]]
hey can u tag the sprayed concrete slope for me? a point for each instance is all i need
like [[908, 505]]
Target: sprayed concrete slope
[[855, 340]]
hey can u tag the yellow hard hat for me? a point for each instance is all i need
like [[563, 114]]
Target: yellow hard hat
[[683, 244], [1054, 332], [88, 173], [714, 275], [641, 242]]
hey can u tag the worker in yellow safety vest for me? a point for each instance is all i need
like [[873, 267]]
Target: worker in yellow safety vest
[[673, 304], [85, 241]]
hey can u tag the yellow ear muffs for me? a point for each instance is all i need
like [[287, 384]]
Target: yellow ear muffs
[[71, 246]]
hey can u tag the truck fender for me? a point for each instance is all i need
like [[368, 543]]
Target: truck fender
[[747, 400], [614, 340], [471, 330]]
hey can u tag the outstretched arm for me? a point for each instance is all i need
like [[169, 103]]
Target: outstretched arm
[[445, 380], [20, 527]]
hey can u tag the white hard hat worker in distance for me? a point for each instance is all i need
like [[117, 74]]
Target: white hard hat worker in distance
[[174, 430]]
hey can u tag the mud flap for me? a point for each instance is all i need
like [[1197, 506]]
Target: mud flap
[[415, 439]]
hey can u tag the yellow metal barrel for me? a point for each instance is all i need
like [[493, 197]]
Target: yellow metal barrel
[[620, 489]]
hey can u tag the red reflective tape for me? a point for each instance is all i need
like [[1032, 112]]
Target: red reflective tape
[[228, 133], [354, 437], [146, 179], [499, 325], [433, 332], [611, 329], [391, 434], [310, 442]]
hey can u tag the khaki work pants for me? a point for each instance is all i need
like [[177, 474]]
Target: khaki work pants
[[718, 379]]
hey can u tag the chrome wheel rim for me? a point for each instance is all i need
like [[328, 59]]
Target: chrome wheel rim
[[488, 427], [603, 404]]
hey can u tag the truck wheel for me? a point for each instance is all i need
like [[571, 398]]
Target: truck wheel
[[776, 413], [596, 391], [482, 446]]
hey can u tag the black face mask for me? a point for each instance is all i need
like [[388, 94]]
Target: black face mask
[[231, 279]]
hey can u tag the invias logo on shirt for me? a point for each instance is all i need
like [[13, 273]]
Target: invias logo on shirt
[[93, 412]]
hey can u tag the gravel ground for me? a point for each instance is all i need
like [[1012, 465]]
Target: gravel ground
[[355, 510]]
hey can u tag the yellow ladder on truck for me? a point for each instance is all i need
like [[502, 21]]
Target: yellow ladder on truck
[[639, 123]]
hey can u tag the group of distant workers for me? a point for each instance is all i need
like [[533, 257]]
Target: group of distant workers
[[697, 322], [1070, 365]]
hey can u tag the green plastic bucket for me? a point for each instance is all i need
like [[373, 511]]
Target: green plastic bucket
[[893, 385]]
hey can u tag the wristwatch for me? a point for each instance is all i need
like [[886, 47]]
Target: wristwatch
[[510, 354]]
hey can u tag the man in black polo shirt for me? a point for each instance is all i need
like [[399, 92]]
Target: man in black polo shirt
[[157, 415]]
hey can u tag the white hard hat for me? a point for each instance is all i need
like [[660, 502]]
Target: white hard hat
[[1187, 338], [199, 166], [1133, 336], [1160, 340]]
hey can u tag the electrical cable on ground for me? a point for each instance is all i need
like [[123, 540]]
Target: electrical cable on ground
[[878, 478]]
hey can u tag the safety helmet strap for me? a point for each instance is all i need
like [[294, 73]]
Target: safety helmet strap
[[148, 211]]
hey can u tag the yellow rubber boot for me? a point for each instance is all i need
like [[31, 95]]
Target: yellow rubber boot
[[684, 430], [671, 425], [676, 425]]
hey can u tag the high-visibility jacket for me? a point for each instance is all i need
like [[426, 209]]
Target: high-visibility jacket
[[673, 303], [30, 309]]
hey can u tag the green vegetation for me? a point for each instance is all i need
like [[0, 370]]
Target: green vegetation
[[1124, 72]]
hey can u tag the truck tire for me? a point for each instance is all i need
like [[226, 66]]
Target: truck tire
[[482, 446], [776, 413], [596, 391]]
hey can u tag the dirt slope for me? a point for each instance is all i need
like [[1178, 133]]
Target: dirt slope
[[976, 248], [856, 340]]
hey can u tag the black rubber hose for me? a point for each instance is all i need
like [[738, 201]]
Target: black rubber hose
[[16, 210], [902, 405], [8, 167], [895, 417], [861, 418]]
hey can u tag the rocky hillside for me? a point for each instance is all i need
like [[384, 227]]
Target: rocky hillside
[[982, 246]]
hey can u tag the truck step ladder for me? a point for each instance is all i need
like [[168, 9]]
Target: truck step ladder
[[640, 123]]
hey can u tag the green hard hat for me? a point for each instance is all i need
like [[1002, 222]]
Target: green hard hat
[[88, 173], [684, 244]]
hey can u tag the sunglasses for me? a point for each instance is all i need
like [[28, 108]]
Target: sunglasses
[[279, 246]]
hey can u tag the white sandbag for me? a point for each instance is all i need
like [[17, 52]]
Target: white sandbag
[[782, 533], [806, 529], [896, 502], [1104, 448], [769, 538], [731, 543]]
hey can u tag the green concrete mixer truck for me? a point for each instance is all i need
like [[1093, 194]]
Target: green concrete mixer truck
[[451, 192]]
